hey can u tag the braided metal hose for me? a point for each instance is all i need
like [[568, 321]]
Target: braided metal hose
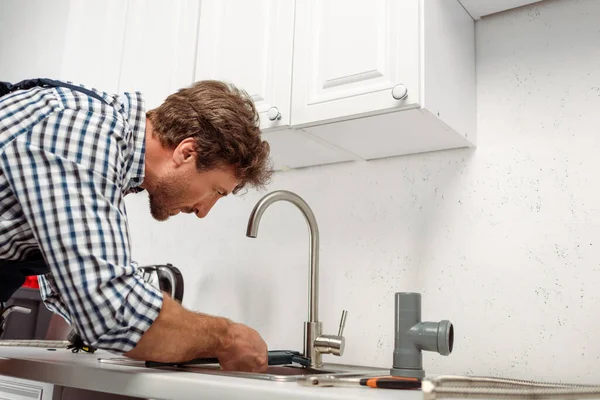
[[449, 386]]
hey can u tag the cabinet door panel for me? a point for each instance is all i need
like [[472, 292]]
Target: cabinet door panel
[[349, 55], [249, 43], [94, 43], [159, 48]]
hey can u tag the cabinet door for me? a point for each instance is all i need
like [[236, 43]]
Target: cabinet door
[[21, 389], [249, 43], [159, 48], [94, 43], [349, 55]]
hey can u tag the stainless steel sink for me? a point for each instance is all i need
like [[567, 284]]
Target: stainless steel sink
[[281, 373], [290, 373]]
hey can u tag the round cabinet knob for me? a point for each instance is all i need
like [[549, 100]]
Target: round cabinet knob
[[400, 92], [274, 114]]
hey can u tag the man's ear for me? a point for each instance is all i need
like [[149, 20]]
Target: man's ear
[[185, 152]]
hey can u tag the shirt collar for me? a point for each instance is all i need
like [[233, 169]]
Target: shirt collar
[[134, 111]]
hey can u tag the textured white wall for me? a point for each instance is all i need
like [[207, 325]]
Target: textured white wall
[[501, 240]]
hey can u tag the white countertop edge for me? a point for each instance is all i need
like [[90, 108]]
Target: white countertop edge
[[83, 371]]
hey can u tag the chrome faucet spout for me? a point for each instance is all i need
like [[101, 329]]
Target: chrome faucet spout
[[315, 342], [313, 231]]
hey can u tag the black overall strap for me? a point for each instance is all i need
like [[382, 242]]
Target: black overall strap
[[6, 88]]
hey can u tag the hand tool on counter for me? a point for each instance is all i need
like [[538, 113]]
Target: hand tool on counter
[[276, 357], [382, 382]]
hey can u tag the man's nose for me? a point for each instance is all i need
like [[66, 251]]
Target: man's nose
[[204, 207]]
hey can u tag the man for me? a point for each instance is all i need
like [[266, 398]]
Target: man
[[68, 156]]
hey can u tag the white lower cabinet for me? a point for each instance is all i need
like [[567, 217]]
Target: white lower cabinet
[[21, 389]]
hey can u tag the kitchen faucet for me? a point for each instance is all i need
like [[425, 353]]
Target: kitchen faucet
[[315, 343]]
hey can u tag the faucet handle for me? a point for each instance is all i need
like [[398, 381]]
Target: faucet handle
[[343, 322], [333, 344]]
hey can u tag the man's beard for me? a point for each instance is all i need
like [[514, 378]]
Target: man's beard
[[167, 189]]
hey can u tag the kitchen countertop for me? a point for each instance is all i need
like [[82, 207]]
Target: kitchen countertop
[[82, 370]]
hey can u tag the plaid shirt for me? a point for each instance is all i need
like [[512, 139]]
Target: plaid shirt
[[66, 162]]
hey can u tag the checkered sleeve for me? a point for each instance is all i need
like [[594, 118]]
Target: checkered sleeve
[[67, 173]]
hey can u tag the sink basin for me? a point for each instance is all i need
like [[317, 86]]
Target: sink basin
[[290, 373], [277, 373]]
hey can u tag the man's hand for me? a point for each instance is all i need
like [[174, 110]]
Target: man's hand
[[243, 350], [180, 335]]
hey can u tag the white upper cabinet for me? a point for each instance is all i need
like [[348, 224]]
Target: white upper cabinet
[[346, 79], [382, 78], [159, 47], [249, 43], [350, 55], [131, 45], [479, 8], [93, 49], [333, 80]]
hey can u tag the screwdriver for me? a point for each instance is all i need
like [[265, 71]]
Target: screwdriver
[[382, 382]]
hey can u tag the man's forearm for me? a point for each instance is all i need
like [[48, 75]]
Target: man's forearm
[[179, 335]]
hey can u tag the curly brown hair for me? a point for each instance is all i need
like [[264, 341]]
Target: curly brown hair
[[225, 125]]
